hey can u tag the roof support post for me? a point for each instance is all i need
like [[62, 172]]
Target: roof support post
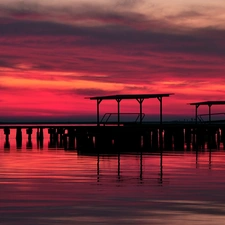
[[160, 110], [98, 104], [118, 106], [140, 101], [209, 105], [160, 129], [196, 114]]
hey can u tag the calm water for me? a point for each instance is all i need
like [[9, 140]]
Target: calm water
[[52, 186]]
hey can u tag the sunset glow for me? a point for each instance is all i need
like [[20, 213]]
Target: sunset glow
[[55, 54]]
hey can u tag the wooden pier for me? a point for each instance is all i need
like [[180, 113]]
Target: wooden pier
[[127, 137]]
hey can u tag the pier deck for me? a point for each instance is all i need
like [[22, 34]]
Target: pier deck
[[126, 137]]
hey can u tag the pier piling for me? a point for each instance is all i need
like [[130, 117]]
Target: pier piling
[[178, 139], [168, 139], [7, 133], [155, 139], [29, 131]]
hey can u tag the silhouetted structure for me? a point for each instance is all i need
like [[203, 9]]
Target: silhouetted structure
[[207, 103], [126, 136], [211, 132], [139, 97]]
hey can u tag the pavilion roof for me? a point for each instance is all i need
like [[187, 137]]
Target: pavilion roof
[[208, 103], [130, 96]]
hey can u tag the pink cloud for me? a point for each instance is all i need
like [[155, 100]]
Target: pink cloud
[[116, 53]]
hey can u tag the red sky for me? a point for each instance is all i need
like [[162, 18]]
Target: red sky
[[53, 55]]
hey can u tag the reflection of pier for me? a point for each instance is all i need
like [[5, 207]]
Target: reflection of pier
[[159, 172], [141, 177]]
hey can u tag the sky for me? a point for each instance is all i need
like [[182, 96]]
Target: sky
[[54, 54]]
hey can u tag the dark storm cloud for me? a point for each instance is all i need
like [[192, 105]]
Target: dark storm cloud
[[199, 41], [5, 63], [87, 92], [21, 9], [136, 88], [127, 45], [114, 14], [100, 92], [92, 92], [119, 26]]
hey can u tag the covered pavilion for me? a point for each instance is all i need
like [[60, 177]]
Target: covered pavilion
[[207, 103], [139, 97]]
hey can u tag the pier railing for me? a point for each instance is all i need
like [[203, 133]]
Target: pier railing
[[201, 120], [105, 119]]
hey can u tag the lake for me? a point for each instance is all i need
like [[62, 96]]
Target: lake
[[48, 185]]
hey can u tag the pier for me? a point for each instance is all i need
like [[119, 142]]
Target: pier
[[119, 136], [126, 137]]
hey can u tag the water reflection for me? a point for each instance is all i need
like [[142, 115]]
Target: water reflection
[[102, 158], [65, 182], [210, 159], [53, 186], [209, 152], [118, 173], [40, 144], [141, 166], [29, 144], [7, 145], [19, 144]]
